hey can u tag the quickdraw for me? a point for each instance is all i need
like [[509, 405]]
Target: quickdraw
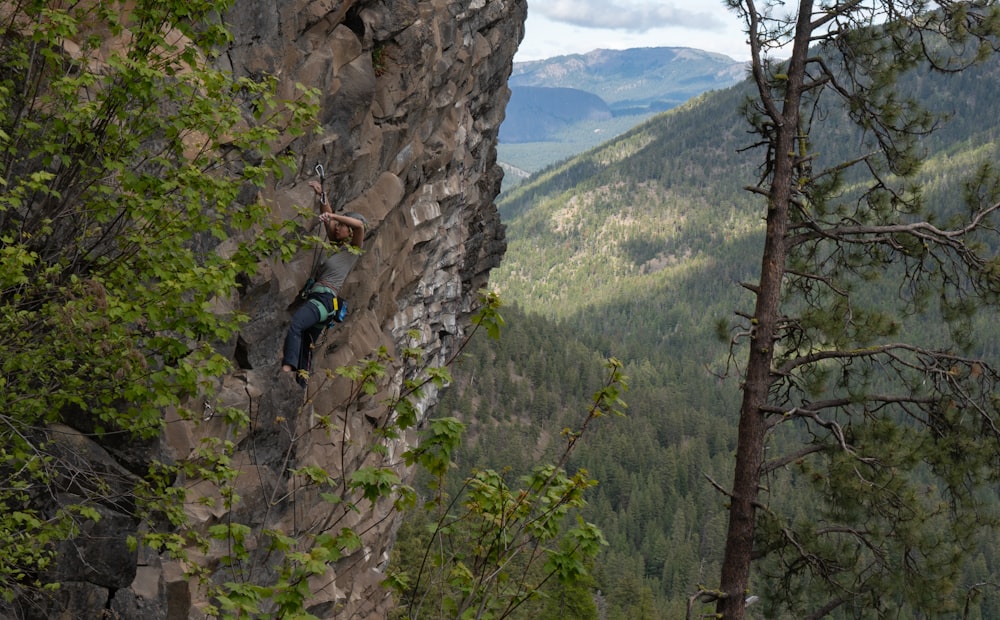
[[322, 183]]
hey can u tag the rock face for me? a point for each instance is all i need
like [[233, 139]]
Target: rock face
[[412, 96]]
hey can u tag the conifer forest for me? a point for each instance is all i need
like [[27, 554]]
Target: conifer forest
[[875, 486]]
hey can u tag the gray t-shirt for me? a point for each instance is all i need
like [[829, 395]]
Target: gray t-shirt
[[335, 269]]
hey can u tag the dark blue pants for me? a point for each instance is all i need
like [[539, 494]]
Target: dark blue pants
[[303, 331]]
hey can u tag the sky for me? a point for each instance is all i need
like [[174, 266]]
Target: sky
[[559, 27]]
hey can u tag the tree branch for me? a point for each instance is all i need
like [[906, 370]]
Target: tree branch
[[778, 463]]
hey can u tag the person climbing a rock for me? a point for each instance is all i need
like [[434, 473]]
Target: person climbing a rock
[[347, 232]]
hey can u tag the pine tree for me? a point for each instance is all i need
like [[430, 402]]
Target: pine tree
[[886, 434]]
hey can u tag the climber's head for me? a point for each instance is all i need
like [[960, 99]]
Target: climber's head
[[359, 217], [344, 232]]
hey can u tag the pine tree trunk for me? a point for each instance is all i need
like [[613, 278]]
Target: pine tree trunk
[[735, 576], [750, 447]]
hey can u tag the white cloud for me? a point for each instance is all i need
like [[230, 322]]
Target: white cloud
[[628, 16]]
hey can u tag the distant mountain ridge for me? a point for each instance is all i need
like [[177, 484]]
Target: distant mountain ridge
[[637, 77], [564, 105]]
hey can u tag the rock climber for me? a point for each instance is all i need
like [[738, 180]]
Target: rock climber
[[346, 231]]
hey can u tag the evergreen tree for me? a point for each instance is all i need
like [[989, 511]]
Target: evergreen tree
[[892, 431]]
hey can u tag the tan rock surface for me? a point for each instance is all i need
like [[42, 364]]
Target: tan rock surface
[[413, 97]]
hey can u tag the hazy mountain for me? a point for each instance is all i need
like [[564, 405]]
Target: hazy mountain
[[565, 105], [640, 79], [535, 111]]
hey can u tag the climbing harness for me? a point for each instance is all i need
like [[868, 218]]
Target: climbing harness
[[326, 316]]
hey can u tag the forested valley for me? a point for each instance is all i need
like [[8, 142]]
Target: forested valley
[[637, 250]]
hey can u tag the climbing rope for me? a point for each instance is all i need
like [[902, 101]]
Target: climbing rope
[[318, 251]]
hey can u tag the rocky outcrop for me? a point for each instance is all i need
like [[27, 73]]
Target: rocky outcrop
[[412, 96]]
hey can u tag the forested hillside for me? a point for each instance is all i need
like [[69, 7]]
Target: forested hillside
[[636, 250]]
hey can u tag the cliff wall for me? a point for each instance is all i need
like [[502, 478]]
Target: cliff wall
[[412, 96]]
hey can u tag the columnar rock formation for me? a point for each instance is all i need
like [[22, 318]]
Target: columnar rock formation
[[413, 94]]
